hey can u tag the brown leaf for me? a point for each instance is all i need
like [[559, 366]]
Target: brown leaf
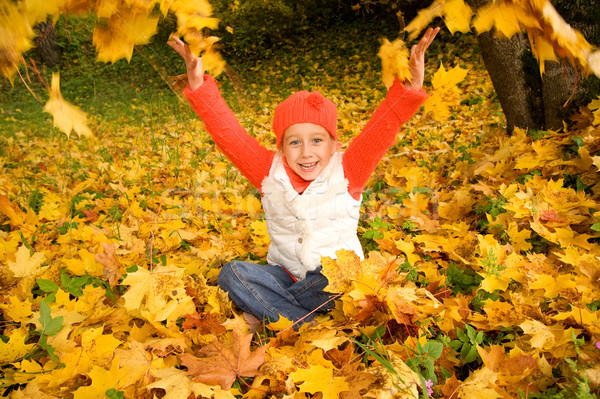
[[340, 357], [450, 387], [108, 259], [218, 364], [204, 323], [90, 215]]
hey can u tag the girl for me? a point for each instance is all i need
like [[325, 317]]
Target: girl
[[310, 192]]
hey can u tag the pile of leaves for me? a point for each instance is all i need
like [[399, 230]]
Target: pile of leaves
[[481, 278]]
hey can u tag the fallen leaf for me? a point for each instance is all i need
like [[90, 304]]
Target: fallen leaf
[[217, 364]]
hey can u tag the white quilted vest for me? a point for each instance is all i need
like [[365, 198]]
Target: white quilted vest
[[304, 227]]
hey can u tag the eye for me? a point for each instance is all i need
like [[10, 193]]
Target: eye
[[317, 140], [294, 142]]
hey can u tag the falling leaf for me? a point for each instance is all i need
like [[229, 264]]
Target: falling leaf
[[445, 92], [67, 117], [424, 17], [394, 61], [457, 16], [115, 36]]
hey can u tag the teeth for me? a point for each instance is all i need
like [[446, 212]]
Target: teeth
[[308, 165]]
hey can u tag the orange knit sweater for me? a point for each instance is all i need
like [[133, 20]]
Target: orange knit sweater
[[254, 161]]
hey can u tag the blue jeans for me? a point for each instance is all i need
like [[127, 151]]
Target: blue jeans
[[266, 291]]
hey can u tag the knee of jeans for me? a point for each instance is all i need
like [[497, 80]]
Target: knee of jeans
[[230, 274], [225, 275]]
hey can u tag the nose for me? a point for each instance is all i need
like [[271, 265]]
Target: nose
[[305, 150]]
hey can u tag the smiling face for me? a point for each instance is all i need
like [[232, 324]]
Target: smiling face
[[307, 149]]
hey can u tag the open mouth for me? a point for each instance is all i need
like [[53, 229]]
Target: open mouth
[[307, 167]]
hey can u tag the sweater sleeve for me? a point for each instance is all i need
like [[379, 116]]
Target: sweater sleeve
[[367, 149], [244, 151]]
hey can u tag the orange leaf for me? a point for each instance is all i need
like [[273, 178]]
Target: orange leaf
[[218, 364]]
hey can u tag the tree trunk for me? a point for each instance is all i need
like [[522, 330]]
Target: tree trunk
[[528, 99], [48, 49], [518, 89]]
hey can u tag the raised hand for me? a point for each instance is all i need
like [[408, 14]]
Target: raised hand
[[417, 58], [193, 64]]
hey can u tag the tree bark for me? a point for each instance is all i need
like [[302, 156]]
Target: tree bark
[[47, 47], [530, 100], [518, 90]]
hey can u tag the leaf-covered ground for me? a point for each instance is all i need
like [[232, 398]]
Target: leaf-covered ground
[[482, 277]]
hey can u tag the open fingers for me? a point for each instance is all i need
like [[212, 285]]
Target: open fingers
[[429, 36], [178, 45]]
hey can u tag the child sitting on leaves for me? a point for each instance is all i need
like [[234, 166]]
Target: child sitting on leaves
[[311, 193]]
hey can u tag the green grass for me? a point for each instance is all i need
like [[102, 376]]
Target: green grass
[[137, 93], [132, 92]]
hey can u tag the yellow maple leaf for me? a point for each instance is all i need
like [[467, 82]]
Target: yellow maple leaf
[[32, 390], [594, 106], [84, 264], [27, 371], [26, 264], [457, 16], [318, 378], [479, 385], [17, 309], [178, 385], [518, 238], [13, 212], [445, 93], [545, 337], [492, 283], [401, 382], [116, 36], [507, 19], [394, 61], [158, 295], [424, 17], [15, 348], [281, 324], [341, 271], [553, 285], [581, 315], [408, 248], [67, 117], [134, 357], [97, 345], [16, 37], [542, 49], [102, 380], [260, 237], [327, 339]]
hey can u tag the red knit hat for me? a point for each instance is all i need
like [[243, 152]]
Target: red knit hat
[[305, 107]]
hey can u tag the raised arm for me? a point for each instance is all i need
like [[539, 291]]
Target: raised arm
[[401, 103], [248, 156]]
